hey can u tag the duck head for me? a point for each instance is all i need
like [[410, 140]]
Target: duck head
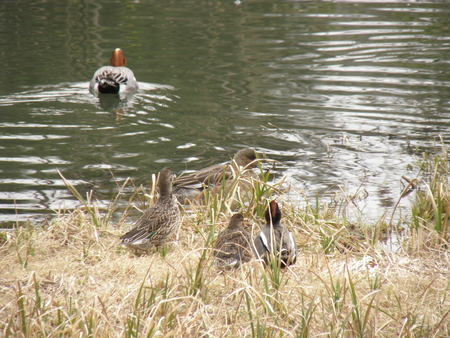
[[273, 213], [117, 58], [236, 221], [246, 158]]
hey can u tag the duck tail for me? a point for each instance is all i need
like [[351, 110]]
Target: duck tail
[[287, 258], [108, 85]]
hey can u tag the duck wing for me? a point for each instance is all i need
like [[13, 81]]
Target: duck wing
[[155, 222], [263, 243], [288, 250], [202, 178]]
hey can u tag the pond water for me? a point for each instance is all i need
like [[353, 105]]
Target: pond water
[[342, 93]]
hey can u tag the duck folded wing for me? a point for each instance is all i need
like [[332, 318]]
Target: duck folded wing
[[204, 177], [288, 252], [150, 225], [276, 242], [262, 245], [229, 256], [137, 236]]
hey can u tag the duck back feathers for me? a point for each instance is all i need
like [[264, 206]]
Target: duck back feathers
[[232, 247], [190, 186]]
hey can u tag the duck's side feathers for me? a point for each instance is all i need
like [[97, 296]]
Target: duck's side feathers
[[288, 253], [291, 241], [228, 263]]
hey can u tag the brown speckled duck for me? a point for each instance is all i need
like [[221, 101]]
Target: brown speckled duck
[[159, 222], [190, 186], [233, 245]]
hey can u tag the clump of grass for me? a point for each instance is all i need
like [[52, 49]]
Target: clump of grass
[[195, 275], [431, 208], [70, 278], [245, 192], [23, 243]]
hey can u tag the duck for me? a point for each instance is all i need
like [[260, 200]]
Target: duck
[[114, 79], [159, 222], [233, 245], [188, 187], [274, 241]]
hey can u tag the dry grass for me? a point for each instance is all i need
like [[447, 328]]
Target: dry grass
[[71, 278]]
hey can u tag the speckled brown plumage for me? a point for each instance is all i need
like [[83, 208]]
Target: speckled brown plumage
[[189, 186], [159, 222], [233, 245]]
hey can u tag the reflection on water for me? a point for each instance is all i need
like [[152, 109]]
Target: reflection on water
[[341, 93]]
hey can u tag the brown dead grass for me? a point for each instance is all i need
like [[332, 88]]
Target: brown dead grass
[[71, 278], [78, 281]]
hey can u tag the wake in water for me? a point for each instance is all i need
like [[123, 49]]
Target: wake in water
[[150, 95]]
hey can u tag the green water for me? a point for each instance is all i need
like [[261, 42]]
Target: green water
[[342, 93]]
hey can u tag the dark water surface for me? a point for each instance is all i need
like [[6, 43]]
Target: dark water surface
[[342, 93]]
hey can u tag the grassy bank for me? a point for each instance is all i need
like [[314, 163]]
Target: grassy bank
[[70, 278]]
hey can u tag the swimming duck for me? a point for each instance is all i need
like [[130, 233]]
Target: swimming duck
[[114, 79], [233, 245], [275, 241], [190, 186], [159, 222]]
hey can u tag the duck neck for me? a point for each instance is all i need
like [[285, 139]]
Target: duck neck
[[165, 190]]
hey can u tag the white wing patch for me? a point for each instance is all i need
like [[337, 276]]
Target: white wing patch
[[264, 241], [292, 244], [140, 241]]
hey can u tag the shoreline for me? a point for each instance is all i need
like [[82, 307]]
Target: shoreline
[[72, 277]]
